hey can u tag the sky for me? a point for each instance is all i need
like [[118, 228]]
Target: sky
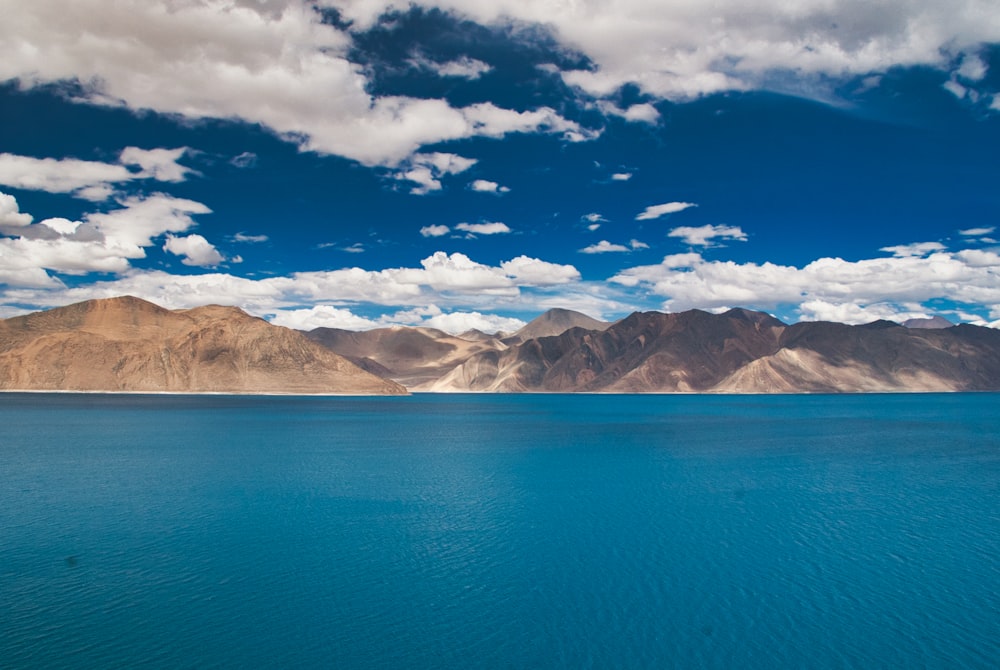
[[470, 164]]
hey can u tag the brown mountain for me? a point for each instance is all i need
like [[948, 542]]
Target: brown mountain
[[645, 352], [128, 344], [556, 322], [737, 352], [881, 356], [412, 356]]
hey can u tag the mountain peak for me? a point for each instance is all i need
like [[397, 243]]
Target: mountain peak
[[557, 321]]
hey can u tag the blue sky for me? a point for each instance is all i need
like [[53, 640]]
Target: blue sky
[[462, 163]]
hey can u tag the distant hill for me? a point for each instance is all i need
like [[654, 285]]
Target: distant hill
[[128, 344], [556, 322]]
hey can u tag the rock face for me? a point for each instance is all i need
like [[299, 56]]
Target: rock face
[[128, 344], [737, 352]]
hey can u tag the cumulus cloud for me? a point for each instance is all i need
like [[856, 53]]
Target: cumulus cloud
[[604, 247], [914, 249], [526, 271], [91, 180], [705, 236], [435, 231], [489, 228], [656, 211], [159, 164], [100, 242], [621, 176], [11, 216], [687, 281], [484, 186], [683, 50], [278, 64], [973, 67], [426, 170], [460, 322], [644, 112], [195, 250], [322, 316]]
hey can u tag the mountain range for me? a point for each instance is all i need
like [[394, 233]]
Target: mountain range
[[130, 345], [127, 344]]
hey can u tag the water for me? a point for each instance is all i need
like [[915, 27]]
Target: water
[[500, 532]]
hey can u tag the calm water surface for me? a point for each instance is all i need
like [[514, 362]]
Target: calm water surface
[[500, 531]]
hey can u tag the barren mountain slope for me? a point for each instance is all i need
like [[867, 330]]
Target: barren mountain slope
[[127, 344], [411, 356]]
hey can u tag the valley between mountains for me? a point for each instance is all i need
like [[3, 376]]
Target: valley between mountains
[[130, 345]]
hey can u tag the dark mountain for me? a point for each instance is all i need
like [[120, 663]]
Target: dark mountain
[[738, 352], [645, 352], [128, 344]]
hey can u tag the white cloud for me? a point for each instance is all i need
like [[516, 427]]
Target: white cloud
[[914, 249], [435, 231], [101, 242], [621, 176], [194, 249], [426, 170], [140, 220], [460, 322], [644, 112], [322, 316], [58, 176], [687, 280], [656, 211], [275, 63], [594, 217], [976, 232], [445, 272], [247, 159], [849, 312], [90, 180], [527, 271], [11, 217], [464, 67], [159, 164], [636, 244], [250, 239], [683, 50], [489, 228], [955, 88], [485, 186], [604, 247], [704, 236], [973, 68]]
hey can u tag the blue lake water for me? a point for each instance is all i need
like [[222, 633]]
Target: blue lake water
[[500, 531]]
